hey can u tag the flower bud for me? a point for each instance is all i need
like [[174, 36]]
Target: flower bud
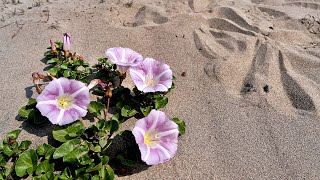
[[66, 42], [53, 48], [109, 91]]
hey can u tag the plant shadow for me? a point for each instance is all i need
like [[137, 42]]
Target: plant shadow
[[130, 151], [29, 92], [40, 130]]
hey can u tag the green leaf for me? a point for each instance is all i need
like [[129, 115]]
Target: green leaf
[[95, 177], [145, 110], [14, 134], [54, 71], [24, 145], [45, 150], [161, 102], [53, 61], [44, 167], [75, 129], [96, 107], [181, 124], [66, 73], [60, 134], [126, 162], [3, 162], [95, 168], [31, 103], [66, 174], [75, 155], [65, 133], [24, 112], [66, 148], [112, 125], [64, 66], [7, 150], [106, 172], [26, 163], [9, 170], [127, 111]]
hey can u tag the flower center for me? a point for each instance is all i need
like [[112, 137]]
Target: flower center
[[150, 81], [151, 139], [64, 102]]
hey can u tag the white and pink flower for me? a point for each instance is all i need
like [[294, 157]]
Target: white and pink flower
[[152, 76], [157, 137], [64, 101], [124, 58]]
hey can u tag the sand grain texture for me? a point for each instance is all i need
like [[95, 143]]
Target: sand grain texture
[[250, 94]]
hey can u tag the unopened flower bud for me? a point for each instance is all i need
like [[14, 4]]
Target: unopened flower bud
[[66, 42], [109, 91], [53, 48]]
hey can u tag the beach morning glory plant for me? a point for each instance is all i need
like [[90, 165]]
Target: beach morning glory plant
[[124, 58], [72, 92], [64, 101], [152, 76], [157, 137]]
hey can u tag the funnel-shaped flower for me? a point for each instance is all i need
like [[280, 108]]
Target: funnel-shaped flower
[[157, 137], [63, 101], [152, 76], [124, 58], [66, 42]]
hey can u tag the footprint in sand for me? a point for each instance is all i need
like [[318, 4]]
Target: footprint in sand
[[263, 61]]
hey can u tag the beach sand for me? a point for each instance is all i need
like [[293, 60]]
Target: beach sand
[[248, 81]]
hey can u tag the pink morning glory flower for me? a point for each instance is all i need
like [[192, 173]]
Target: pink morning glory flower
[[157, 137], [63, 101], [66, 42], [124, 58], [152, 76]]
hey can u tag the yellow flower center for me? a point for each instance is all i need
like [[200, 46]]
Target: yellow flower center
[[150, 81], [64, 102], [150, 139]]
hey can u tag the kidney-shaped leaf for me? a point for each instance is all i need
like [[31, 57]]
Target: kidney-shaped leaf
[[26, 163]]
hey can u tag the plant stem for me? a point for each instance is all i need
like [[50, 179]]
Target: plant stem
[[107, 109]]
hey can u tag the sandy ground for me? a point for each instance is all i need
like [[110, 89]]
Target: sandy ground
[[250, 94]]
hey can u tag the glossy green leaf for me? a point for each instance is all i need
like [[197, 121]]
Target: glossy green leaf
[[53, 61], [66, 73], [112, 125], [45, 150], [66, 174], [26, 163], [14, 134], [145, 110], [181, 124], [95, 168], [64, 66], [128, 111], [66, 148], [24, 112], [7, 150], [9, 170], [44, 167], [96, 107], [24, 145], [67, 132], [74, 155], [54, 71], [3, 161], [95, 177], [161, 102]]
